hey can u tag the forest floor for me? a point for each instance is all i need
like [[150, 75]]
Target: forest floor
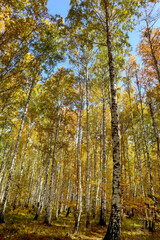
[[19, 225]]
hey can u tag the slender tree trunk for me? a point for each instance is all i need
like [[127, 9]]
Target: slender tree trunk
[[74, 183], [87, 198], [156, 132], [129, 166], [95, 174], [143, 147], [44, 190], [91, 167], [122, 165], [145, 140], [98, 193], [4, 172], [129, 176], [6, 161], [59, 179], [31, 180], [25, 152], [2, 185], [63, 182], [43, 195], [155, 128], [135, 142], [78, 209], [38, 189], [5, 151], [69, 181], [48, 215], [140, 164], [22, 166], [104, 179], [114, 227], [6, 193], [151, 190], [152, 50]]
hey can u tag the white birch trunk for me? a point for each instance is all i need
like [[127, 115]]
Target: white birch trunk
[[152, 190], [87, 198], [114, 227], [104, 178], [43, 197], [78, 209], [95, 175], [48, 215], [135, 142], [6, 193]]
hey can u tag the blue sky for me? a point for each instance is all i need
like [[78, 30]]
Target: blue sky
[[58, 7]]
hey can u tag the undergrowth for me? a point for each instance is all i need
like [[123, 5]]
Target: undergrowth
[[19, 225]]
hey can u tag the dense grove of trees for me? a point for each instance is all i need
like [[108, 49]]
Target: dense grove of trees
[[83, 138]]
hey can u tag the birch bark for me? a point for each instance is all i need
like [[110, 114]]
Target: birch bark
[[6, 193], [88, 160], [114, 227], [104, 179], [48, 215], [95, 175], [44, 190], [78, 209], [152, 190]]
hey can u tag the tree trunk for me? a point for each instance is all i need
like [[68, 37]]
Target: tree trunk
[[22, 166], [98, 193], [43, 196], [69, 181], [152, 191], [152, 51], [104, 180], [63, 182], [87, 198], [78, 209], [114, 227], [6, 162], [48, 215], [59, 179], [143, 148], [135, 142], [156, 132], [5, 151], [6, 193], [95, 175], [31, 179], [38, 189]]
